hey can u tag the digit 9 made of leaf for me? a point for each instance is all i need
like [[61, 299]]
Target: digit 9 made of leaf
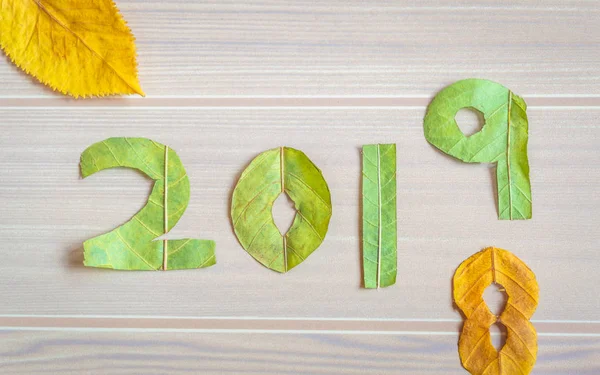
[[282, 170], [502, 140], [132, 246]]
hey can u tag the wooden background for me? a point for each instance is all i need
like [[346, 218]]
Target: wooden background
[[228, 79]]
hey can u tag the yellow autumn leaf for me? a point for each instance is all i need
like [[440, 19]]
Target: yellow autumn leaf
[[78, 47], [473, 276]]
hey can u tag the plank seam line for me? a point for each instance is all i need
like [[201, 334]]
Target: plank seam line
[[265, 325], [274, 102], [273, 318], [269, 331], [241, 318]]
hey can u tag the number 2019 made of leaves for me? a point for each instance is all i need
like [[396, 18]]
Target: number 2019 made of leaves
[[132, 246]]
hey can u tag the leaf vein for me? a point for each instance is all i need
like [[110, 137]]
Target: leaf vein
[[247, 205], [206, 261], [475, 347], [371, 224], [111, 152], [179, 247], [142, 160], [369, 160], [132, 250], [310, 188], [295, 252], [487, 145], [512, 360], [145, 226], [517, 335], [523, 193], [177, 181], [519, 284], [370, 201], [309, 224], [368, 178], [256, 234]]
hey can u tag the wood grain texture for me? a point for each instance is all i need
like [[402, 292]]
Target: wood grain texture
[[446, 212], [229, 79], [258, 354], [349, 48]]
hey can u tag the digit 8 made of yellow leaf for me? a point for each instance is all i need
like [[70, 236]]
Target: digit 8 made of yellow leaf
[[473, 276], [80, 48], [282, 170]]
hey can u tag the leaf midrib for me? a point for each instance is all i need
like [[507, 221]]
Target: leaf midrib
[[282, 181], [165, 209], [510, 213], [379, 218]]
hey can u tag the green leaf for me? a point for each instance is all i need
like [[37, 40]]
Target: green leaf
[[379, 215], [502, 140], [131, 246], [277, 171]]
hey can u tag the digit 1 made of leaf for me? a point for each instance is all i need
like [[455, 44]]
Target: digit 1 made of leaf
[[379, 232], [472, 277], [282, 170], [132, 246], [502, 140]]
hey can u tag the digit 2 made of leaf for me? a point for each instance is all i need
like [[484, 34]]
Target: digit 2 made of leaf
[[472, 277], [282, 170], [379, 232], [78, 47], [502, 140], [132, 246]]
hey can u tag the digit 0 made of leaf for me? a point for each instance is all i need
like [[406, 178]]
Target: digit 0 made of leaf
[[472, 277], [278, 171], [502, 140], [132, 246]]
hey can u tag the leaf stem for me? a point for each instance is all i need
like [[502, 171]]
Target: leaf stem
[[284, 236], [510, 214]]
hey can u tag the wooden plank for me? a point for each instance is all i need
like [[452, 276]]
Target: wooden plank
[[446, 212], [254, 353], [348, 48], [144, 323]]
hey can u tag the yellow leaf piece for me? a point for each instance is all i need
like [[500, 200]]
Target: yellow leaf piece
[[473, 276], [78, 47]]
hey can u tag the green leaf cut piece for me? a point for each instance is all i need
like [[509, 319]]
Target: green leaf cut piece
[[131, 246], [379, 224], [277, 171], [502, 140]]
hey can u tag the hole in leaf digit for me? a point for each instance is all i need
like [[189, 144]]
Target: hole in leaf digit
[[469, 120], [498, 335], [495, 298], [283, 213]]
